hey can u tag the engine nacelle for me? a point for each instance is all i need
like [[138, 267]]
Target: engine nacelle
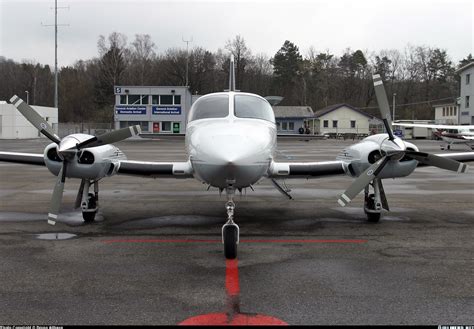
[[360, 156], [89, 163]]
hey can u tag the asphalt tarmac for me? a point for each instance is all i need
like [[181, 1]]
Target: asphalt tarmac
[[154, 254]]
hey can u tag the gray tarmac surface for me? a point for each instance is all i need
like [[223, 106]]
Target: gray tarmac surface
[[414, 267]]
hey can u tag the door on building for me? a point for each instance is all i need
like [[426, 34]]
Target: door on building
[[156, 127], [175, 127]]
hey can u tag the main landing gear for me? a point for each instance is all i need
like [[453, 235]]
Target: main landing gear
[[374, 202], [230, 230], [89, 201]]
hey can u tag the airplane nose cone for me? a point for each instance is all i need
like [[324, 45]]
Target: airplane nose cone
[[230, 150]]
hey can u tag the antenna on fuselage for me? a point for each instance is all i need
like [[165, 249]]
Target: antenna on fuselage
[[232, 74]]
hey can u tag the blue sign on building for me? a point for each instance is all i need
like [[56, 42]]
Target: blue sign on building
[[398, 133], [166, 110], [130, 109]]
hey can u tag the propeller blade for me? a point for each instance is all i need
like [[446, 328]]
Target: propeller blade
[[35, 119], [383, 104], [437, 161], [57, 195], [111, 137], [362, 181]]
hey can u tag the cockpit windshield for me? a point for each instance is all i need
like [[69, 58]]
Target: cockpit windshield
[[247, 106], [215, 106]]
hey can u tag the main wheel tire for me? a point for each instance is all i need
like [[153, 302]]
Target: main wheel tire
[[372, 217], [230, 242], [89, 216]]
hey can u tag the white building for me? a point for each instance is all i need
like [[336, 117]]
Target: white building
[[466, 107], [14, 125], [344, 119], [447, 114]]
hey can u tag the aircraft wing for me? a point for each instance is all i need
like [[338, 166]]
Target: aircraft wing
[[155, 169], [126, 167], [333, 168], [423, 125], [25, 158], [306, 169]]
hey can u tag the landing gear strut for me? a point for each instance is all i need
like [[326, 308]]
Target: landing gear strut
[[90, 201], [230, 230], [373, 201]]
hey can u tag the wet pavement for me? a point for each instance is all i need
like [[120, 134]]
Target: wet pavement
[[154, 254]]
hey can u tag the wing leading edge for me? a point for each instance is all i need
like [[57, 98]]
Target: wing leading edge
[[24, 158]]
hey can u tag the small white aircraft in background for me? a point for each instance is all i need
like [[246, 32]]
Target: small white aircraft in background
[[450, 134], [231, 143]]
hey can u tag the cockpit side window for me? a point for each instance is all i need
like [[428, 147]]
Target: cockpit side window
[[215, 106], [246, 106]]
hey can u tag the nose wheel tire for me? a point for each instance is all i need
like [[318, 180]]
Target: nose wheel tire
[[230, 235]]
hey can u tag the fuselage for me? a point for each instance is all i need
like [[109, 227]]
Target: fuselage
[[230, 139], [455, 136]]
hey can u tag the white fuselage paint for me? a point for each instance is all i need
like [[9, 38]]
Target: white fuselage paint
[[231, 150]]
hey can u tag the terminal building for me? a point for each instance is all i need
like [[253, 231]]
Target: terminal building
[[158, 110]]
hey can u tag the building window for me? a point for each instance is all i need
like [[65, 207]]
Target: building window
[[166, 99], [133, 99], [123, 99], [177, 99], [284, 126], [291, 126], [166, 126], [144, 99], [334, 123], [455, 111], [468, 79], [155, 99], [278, 126], [326, 123], [444, 111], [353, 123], [467, 101]]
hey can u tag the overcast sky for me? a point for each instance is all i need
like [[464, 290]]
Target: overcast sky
[[324, 24]]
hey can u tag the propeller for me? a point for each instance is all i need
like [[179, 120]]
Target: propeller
[[67, 149], [35, 119], [395, 151]]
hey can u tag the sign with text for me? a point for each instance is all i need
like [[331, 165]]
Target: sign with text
[[166, 110], [130, 109]]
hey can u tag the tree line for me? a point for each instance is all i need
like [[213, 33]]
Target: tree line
[[419, 75]]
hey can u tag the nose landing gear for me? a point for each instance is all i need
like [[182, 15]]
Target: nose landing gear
[[230, 230]]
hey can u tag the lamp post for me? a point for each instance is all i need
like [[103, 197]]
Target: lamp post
[[393, 108], [27, 97]]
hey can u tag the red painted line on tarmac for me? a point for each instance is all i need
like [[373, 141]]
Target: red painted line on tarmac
[[306, 241], [335, 241], [160, 241], [233, 316], [232, 277]]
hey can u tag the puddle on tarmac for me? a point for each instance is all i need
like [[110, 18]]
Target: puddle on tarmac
[[55, 236]]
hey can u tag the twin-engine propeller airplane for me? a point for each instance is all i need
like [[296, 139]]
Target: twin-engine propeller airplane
[[231, 144], [450, 134]]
